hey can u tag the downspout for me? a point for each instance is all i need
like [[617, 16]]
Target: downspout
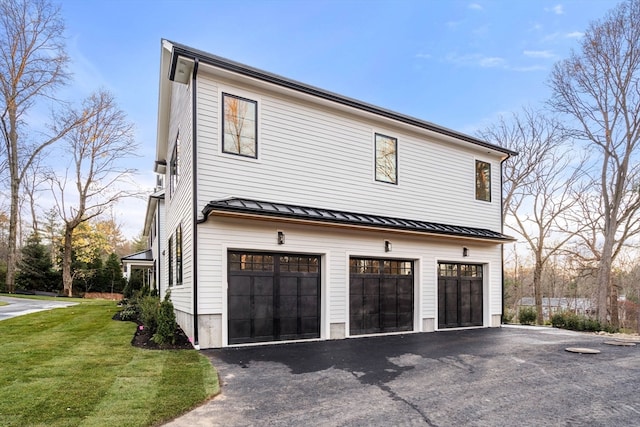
[[502, 231], [157, 273], [194, 192]]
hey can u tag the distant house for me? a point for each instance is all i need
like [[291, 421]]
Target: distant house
[[550, 306], [294, 213]]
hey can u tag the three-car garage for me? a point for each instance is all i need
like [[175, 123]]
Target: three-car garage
[[277, 296]]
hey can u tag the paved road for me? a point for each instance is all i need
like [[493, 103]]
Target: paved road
[[20, 306], [482, 377]]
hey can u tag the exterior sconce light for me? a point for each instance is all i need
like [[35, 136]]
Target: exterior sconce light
[[280, 238], [465, 252], [387, 246]]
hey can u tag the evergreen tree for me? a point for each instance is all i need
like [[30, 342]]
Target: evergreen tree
[[113, 274], [35, 268]]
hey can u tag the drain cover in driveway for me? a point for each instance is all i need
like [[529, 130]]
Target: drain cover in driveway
[[582, 350], [621, 343]]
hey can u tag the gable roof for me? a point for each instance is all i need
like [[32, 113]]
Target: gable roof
[[190, 54], [256, 208]]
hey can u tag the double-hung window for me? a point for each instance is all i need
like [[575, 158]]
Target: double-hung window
[[239, 126], [483, 181], [386, 158]]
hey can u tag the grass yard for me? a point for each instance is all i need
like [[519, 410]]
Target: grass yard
[[75, 366]]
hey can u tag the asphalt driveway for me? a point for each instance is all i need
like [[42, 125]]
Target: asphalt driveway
[[20, 306], [481, 377]]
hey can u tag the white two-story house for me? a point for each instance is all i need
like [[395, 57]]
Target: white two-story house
[[294, 213]]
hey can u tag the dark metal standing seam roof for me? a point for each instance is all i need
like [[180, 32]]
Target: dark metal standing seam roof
[[282, 210]]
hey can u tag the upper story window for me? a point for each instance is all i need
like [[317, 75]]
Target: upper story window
[[386, 159], [174, 166], [483, 181], [240, 126]]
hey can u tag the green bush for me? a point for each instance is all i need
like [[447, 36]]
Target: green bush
[[166, 322], [130, 312], [149, 308], [507, 316], [527, 315], [557, 320], [575, 322]]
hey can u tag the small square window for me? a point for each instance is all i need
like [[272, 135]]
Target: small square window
[[386, 159], [239, 126], [483, 181]]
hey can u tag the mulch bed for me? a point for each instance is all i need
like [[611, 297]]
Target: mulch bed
[[142, 339]]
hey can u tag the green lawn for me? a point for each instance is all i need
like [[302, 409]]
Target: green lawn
[[75, 366]]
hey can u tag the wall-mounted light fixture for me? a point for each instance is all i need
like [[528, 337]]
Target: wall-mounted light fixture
[[280, 238], [387, 246], [465, 252]]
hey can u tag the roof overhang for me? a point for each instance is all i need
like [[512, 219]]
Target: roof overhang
[[139, 258], [152, 207], [267, 211]]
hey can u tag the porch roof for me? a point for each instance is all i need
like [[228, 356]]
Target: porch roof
[[262, 209]]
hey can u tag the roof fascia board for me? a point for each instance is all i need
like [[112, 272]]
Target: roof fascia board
[[164, 101], [238, 68]]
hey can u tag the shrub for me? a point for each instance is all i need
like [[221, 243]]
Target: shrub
[[166, 322], [527, 315], [149, 307], [507, 316], [575, 322], [130, 312], [557, 320]]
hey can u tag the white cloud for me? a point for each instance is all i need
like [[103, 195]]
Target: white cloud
[[476, 60], [536, 27], [574, 35], [475, 6], [557, 9], [494, 61], [545, 54], [528, 69]]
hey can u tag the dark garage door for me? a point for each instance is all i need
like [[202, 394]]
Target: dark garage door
[[273, 297], [380, 296], [459, 295]]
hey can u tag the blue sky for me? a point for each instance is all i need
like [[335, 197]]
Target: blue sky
[[459, 64]]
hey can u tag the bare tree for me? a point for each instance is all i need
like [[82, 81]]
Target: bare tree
[[97, 148], [538, 184], [598, 88], [32, 66], [30, 188]]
